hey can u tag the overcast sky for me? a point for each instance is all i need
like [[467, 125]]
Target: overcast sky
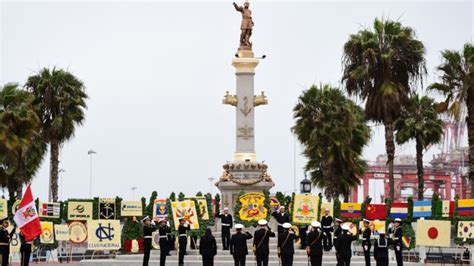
[[156, 72]]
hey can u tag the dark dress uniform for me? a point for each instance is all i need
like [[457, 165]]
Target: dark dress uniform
[[315, 246], [208, 249], [286, 247], [147, 238], [381, 251], [183, 241], [398, 245], [337, 234], [327, 224], [261, 240], [5, 238], [25, 251], [238, 247], [226, 225], [164, 245], [281, 218], [366, 244], [344, 248]]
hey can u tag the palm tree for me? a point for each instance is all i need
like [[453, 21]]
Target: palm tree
[[21, 147], [419, 121], [380, 67], [333, 131], [60, 101], [457, 85]]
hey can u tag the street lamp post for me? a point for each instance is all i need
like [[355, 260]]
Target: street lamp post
[[210, 181], [133, 192], [90, 153], [61, 176], [305, 185]]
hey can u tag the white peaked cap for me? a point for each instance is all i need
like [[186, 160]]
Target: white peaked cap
[[315, 224], [262, 222], [239, 226], [345, 227], [226, 209], [286, 225], [398, 220]]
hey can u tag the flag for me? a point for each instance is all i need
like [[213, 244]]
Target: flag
[[433, 233], [26, 217], [448, 208], [466, 207], [350, 210], [421, 208], [376, 211], [399, 210], [406, 241], [466, 229]]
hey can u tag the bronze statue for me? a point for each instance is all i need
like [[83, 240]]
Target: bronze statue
[[246, 25]]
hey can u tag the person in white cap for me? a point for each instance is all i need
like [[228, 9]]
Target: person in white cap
[[183, 229], [381, 248], [366, 243], [261, 241], [327, 224], [281, 217], [226, 225], [397, 241], [344, 241], [337, 233], [163, 231], [314, 246], [286, 248], [148, 229], [238, 245]]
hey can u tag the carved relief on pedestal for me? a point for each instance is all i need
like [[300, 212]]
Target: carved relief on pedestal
[[245, 132], [246, 109], [246, 173]]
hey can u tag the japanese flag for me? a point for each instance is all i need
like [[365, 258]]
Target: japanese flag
[[26, 217], [433, 233]]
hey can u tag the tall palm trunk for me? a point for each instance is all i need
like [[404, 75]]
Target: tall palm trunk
[[419, 168], [470, 137], [390, 149], [54, 170]]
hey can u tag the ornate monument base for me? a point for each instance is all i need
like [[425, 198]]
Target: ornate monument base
[[250, 176]]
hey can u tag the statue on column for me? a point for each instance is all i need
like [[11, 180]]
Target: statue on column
[[246, 26]]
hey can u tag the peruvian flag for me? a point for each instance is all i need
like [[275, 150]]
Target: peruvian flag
[[26, 217]]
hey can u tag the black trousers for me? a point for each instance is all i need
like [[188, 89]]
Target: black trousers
[[398, 256], [345, 261], [327, 239], [194, 242], [207, 260], [367, 256], [239, 260], [183, 241], [164, 246], [286, 259], [316, 260], [225, 237], [146, 251], [171, 239], [25, 258], [5, 253], [382, 262], [262, 259]]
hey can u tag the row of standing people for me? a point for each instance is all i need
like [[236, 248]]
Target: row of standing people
[[6, 238]]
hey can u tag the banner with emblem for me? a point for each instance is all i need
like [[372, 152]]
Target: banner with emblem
[[466, 229], [103, 235], [49, 209], [253, 207], [106, 209], [3, 208], [61, 232], [159, 209], [202, 202], [47, 236], [79, 210], [329, 206], [77, 232], [305, 208], [274, 203], [185, 209], [131, 208]]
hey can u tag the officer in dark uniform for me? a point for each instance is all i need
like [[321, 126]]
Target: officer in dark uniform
[[381, 249], [25, 250], [286, 248], [182, 240], [314, 245], [163, 230], [337, 233], [366, 244], [344, 246], [171, 240], [5, 238], [238, 245], [260, 242], [397, 241], [226, 225], [327, 224], [281, 217], [148, 229]]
